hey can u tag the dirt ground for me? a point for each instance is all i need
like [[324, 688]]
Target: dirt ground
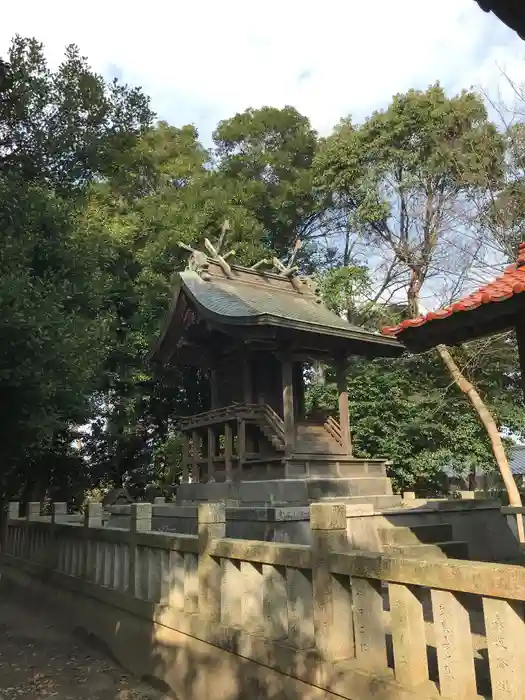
[[39, 660]]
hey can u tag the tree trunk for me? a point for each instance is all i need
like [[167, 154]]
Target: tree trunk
[[488, 421]]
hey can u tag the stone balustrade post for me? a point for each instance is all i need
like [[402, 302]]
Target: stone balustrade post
[[92, 518], [140, 521], [33, 510], [332, 595], [211, 526], [58, 512], [28, 533], [13, 510], [514, 516], [93, 515], [159, 501]]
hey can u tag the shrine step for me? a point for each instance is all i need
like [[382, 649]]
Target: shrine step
[[418, 534], [379, 502], [316, 439], [438, 550], [319, 489], [294, 492], [320, 447]]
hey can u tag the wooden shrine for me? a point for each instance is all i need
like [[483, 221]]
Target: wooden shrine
[[252, 331]]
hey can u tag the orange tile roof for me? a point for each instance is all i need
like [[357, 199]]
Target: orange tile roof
[[511, 282]]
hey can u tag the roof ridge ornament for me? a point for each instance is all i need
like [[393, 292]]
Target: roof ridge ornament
[[198, 260], [284, 270]]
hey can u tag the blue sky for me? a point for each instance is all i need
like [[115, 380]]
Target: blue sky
[[202, 61]]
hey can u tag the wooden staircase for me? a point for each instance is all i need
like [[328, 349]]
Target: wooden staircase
[[319, 438], [270, 424], [312, 438]]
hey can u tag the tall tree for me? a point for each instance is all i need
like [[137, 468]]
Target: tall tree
[[258, 177], [407, 409], [407, 176], [502, 210], [59, 131], [266, 156]]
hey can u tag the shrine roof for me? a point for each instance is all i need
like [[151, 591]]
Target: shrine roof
[[491, 308], [248, 298]]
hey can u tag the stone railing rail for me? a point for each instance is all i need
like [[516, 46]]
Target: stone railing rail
[[356, 625]]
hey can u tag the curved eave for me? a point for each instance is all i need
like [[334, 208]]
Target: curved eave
[[391, 346]]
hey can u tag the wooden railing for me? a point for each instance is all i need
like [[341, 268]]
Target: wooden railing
[[215, 442], [236, 411], [272, 419], [334, 429], [357, 624]]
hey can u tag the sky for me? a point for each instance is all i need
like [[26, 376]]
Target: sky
[[203, 61]]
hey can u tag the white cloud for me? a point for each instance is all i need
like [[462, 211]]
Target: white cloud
[[203, 60]]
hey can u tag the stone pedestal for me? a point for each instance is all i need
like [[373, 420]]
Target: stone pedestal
[[303, 479]]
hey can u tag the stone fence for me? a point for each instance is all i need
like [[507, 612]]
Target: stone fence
[[212, 617], [480, 523]]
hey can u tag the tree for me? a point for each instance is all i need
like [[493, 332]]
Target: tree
[[502, 209], [267, 154], [257, 177], [59, 131], [407, 176], [407, 409]]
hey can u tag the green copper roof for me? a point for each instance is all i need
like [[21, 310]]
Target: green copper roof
[[235, 302]]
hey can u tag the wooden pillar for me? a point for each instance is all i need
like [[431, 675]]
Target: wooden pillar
[[196, 440], [241, 447], [185, 458], [211, 454], [228, 445], [344, 413], [247, 384], [288, 404], [299, 395]]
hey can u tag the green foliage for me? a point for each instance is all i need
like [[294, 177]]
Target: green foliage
[[94, 200], [341, 287], [504, 212], [408, 410], [424, 138], [266, 155], [406, 180], [68, 126], [59, 130]]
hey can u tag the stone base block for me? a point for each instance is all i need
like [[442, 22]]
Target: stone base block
[[300, 492]]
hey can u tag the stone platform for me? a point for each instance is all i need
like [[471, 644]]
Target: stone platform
[[291, 492], [302, 479]]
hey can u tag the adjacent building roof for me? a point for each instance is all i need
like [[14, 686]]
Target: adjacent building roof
[[490, 309], [516, 463], [517, 460], [510, 12], [248, 299]]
